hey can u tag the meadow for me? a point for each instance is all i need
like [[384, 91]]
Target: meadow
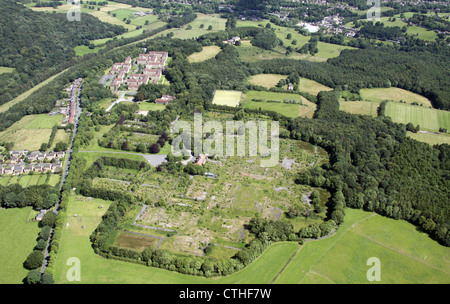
[[18, 239], [303, 108], [428, 119], [266, 80], [394, 94], [227, 98], [31, 131], [208, 52], [431, 138], [4, 70], [360, 107], [30, 180], [406, 255]]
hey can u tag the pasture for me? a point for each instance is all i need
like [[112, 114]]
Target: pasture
[[428, 119], [431, 138], [266, 80], [360, 107], [4, 70], [311, 86], [150, 106], [302, 107], [393, 94], [208, 52], [30, 179], [18, 239], [31, 131], [227, 98], [406, 254]]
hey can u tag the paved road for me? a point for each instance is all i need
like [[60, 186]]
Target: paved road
[[66, 170]]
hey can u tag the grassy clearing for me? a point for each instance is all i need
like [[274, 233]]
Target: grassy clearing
[[18, 240], [4, 70], [394, 94], [431, 138], [208, 52], [311, 86], [360, 107], [217, 23], [406, 255], [227, 98], [150, 106], [428, 119], [266, 80], [82, 50], [306, 109], [31, 131]]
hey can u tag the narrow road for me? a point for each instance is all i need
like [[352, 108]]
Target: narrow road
[[65, 172]]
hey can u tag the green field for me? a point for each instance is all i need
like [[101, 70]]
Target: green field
[[406, 255], [394, 94], [227, 98], [208, 52], [4, 70], [306, 109], [266, 80], [30, 180], [431, 138], [360, 107], [31, 131], [217, 23], [428, 119], [82, 50], [18, 240], [311, 86], [150, 106]]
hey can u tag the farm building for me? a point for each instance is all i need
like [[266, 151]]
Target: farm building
[[164, 100]]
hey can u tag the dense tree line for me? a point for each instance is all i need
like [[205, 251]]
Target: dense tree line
[[37, 196], [36, 57]]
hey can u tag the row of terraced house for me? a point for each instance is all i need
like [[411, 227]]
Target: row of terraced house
[[22, 161], [153, 62]]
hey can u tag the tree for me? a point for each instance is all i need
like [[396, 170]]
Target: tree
[[48, 219], [43, 147], [60, 146], [34, 260], [210, 27], [47, 278], [154, 149], [33, 277]]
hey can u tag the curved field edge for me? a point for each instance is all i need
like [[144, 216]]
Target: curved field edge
[[407, 256], [341, 258]]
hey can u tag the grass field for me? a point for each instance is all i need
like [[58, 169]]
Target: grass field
[[428, 119], [31, 131], [306, 109], [18, 240], [208, 52], [406, 255], [431, 138], [394, 94], [30, 180], [217, 23], [4, 70], [227, 98], [266, 80], [150, 106], [82, 50], [311, 86], [360, 107]]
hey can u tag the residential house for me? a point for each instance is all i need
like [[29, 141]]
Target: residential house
[[47, 167], [18, 169], [9, 169], [164, 100], [40, 215], [201, 160]]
